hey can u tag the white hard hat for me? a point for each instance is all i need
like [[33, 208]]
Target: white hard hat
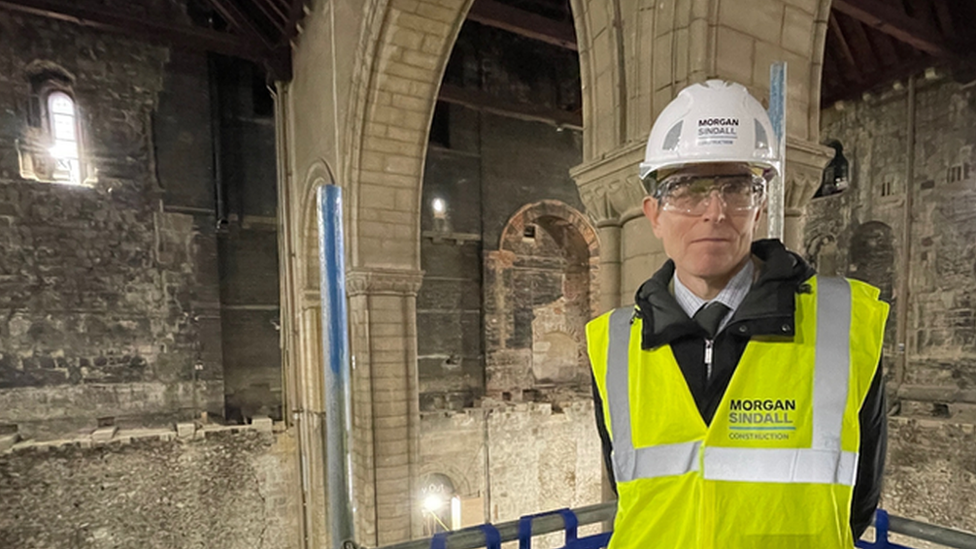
[[716, 121]]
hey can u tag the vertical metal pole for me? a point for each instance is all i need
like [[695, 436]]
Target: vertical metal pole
[[335, 350], [904, 282], [777, 115]]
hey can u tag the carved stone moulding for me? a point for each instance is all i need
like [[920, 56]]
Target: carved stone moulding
[[805, 162], [365, 281], [609, 186]]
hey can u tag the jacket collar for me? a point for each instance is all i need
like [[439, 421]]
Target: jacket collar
[[768, 308]]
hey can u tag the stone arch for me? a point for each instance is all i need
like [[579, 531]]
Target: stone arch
[[401, 66], [437, 491], [460, 482], [823, 253], [317, 175], [633, 59], [406, 45], [551, 215]]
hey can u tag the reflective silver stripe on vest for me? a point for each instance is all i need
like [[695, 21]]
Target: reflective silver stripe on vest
[[654, 461], [787, 465], [822, 463], [831, 376]]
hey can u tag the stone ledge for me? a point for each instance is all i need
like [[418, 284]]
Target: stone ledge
[[102, 437]]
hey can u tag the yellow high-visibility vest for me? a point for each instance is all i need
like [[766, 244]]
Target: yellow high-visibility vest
[[776, 467]]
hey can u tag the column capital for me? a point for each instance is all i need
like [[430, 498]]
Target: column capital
[[367, 281], [609, 187], [805, 162]]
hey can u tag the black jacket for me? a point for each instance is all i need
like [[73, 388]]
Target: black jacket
[[767, 309]]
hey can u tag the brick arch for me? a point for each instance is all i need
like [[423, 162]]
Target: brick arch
[[540, 213], [553, 311]]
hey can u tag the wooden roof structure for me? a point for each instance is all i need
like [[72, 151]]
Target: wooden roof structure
[[258, 30], [870, 43]]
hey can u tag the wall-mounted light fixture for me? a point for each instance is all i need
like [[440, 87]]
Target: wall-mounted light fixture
[[439, 206]]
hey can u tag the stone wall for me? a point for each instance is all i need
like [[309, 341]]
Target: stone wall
[[540, 457], [248, 243], [486, 168], [931, 471], [859, 233], [216, 487], [108, 297], [120, 294], [119, 297]]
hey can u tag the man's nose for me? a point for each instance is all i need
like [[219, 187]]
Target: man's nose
[[715, 208]]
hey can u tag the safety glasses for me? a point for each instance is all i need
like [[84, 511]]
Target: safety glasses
[[692, 194]]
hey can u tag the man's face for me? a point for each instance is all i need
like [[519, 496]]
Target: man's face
[[712, 244]]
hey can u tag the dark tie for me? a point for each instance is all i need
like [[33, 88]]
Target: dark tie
[[710, 316]]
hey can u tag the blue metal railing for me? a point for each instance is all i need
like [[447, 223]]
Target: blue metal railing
[[568, 521]]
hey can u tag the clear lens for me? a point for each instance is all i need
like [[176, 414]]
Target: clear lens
[[692, 194]]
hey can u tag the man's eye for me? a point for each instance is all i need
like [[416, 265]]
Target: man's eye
[[685, 194]]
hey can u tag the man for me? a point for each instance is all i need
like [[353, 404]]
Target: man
[[740, 402]]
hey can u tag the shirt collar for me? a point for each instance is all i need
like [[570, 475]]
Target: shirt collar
[[731, 296]]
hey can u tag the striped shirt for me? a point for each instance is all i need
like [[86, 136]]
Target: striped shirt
[[731, 296]]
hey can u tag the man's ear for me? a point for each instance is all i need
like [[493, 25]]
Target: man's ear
[[652, 211], [761, 209], [758, 215]]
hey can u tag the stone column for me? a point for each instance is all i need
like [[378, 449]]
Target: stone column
[[386, 410], [613, 195], [308, 415], [805, 162], [608, 232]]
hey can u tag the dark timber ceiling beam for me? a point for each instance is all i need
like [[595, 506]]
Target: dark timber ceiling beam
[[276, 20], [871, 81], [192, 37], [173, 35], [524, 23], [845, 48], [945, 19], [295, 11], [240, 21], [479, 100], [886, 18]]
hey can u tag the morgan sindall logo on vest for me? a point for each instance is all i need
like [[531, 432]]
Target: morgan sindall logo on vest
[[762, 419]]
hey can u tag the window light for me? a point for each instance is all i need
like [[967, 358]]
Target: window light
[[64, 133]]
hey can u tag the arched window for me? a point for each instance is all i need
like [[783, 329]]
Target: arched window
[[51, 147], [63, 128]]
